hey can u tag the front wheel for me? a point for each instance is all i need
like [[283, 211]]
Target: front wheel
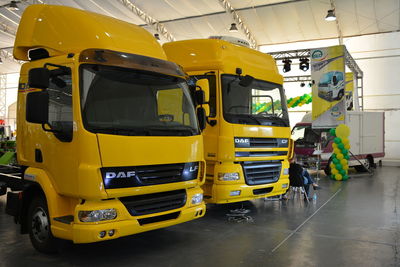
[[39, 227]]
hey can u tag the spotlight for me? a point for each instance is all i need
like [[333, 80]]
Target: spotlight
[[157, 36], [233, 28], [310, 84], [302, 84], [304, 64], [331, 15], [13, 6], [286, 65]]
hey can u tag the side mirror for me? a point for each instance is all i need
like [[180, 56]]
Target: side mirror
[[37, 107], [205, 87], [334, 80], [246, 81], [199, 97], [39, 78], [201, 117]]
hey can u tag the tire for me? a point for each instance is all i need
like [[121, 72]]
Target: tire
[[39, 227], [340, 95], [369, 164]]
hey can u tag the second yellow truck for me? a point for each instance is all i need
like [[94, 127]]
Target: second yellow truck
[[246, 150]]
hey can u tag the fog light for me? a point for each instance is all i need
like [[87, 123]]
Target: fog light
[[285, 171], [197, 199], [111, 232], [285, 185], [235, 193], [97, 215], [102, 234], [228, 176]]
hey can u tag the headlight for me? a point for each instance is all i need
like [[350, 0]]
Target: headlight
[[197, 199], [285, 185], [285, 171], [228, 176], [97, 215]]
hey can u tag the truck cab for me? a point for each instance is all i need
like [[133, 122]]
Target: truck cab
[[101, 117], [331, 86], [246, 148]]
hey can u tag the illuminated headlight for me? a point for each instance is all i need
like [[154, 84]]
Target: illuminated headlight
[[228, 176], [285, 171], [285, 185], [197, 199], [97, 215]]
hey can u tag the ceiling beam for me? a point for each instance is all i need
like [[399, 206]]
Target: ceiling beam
[[229, 9], [7, 30], [155, 24]]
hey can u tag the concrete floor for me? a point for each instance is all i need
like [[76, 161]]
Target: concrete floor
[[353, 223]]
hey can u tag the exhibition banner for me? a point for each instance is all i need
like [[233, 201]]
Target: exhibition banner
[[328, 90], [349, 90]]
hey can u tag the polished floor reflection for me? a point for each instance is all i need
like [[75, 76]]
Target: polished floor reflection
[[353, 223]]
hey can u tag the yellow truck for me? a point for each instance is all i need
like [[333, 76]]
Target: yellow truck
[[246, 149], [109, 142]]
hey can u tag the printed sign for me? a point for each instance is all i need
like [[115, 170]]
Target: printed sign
[[349, 90], [328, 90]]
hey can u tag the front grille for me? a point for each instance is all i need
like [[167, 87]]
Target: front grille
[[260, 142], [160, 218], [261, 172], [262, 191], [263, 142], [153, 203], [260, 153], [122, 177]]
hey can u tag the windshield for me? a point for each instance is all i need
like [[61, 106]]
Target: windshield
[[123, 101], [260, 103]]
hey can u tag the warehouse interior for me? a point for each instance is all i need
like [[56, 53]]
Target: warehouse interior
[[349, 222]]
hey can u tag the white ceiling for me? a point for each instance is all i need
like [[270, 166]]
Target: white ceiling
[[270, 21]]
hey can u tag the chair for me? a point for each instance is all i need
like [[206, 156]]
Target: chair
[[297, 184]]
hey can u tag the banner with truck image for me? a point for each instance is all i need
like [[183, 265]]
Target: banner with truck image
[[328, 90], [349, 89]]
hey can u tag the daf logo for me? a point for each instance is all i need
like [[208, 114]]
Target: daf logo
[[112, 175], [242, 140], [193, 168], [284, 141]]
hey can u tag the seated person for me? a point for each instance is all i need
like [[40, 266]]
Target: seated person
[[299, 176]]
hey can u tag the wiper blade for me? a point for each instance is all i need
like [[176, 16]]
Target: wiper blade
[[180, 130], [120, 131]]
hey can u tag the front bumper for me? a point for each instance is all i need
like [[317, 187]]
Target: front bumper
[[220, 193], [125, 224]]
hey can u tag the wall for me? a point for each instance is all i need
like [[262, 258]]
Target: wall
[[378, 56]]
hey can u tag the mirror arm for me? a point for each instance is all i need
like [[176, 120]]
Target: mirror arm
[[212, 123], [49, 130]]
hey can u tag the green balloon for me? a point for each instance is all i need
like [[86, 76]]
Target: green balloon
[[339, 166], [347, 157], [334, 156], [345, 151], [342, 172], [333, 176], [337, 140], [341, 146], [332, 132], [345, 177], [335, 161]]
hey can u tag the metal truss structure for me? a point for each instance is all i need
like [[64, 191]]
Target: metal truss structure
[[229, 9], [349, 62], [155, 24]]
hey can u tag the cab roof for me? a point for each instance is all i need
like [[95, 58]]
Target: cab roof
[[214, 54], [62, 30]]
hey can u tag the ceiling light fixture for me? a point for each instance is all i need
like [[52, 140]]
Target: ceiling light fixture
[[157, 36], [12, 6], [302, 84], [331, 15], [233, 28], [304, 64], [286, 65]]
